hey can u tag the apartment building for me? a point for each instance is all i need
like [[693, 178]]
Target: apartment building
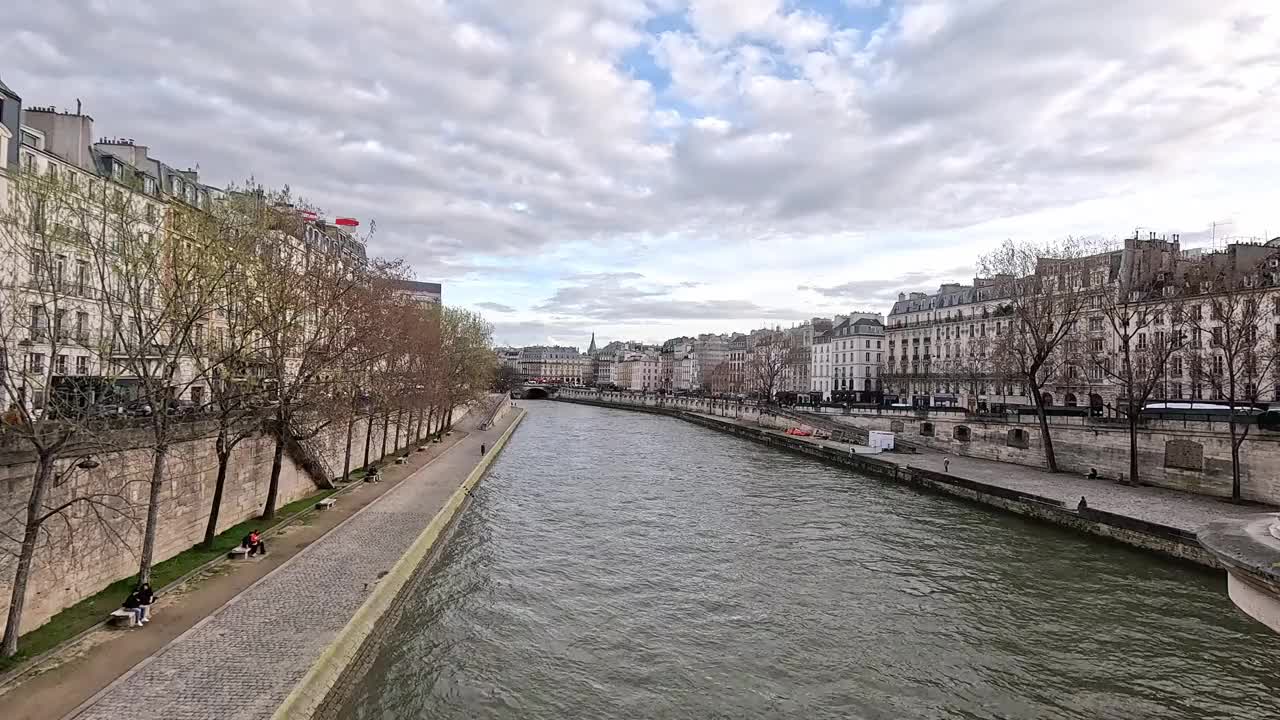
[[84, 308], [554, 364], [941, 348], [845, 360], [640, 372]]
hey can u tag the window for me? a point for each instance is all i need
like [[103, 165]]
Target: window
[[1175, 366], [197, 395], [82, 365], [1217, 337], [60, 365], [38, 321], [149, 212], [1142, 341], [149, 187], [35, 362], [1197, 312], [82, 278], [1217, 364], [1095, 324]]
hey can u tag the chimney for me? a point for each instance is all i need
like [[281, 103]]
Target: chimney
[[902, 296]]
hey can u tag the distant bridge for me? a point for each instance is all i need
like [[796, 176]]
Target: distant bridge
[[534, 391]]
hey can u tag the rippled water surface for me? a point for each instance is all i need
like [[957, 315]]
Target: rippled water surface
[[621, 565]]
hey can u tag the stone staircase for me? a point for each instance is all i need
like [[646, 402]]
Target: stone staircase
[[839, 431], [313, 463], [842, 432]]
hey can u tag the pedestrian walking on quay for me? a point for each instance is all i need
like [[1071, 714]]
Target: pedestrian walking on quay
[[946, 464], [482, 448]]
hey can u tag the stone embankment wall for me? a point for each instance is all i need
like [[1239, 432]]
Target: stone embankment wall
[[1162, 539], [1188, 456], [90, 547], [1192, 456]]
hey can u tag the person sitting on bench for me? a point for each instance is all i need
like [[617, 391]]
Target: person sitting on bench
[[138, 602], [254, 542]]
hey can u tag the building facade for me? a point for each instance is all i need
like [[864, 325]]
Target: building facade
[[554, 364]]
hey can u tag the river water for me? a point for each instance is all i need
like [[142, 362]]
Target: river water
[[622, 565]]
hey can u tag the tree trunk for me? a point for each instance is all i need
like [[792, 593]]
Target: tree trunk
[[1133, 444], [153, 514], [399, 422], [386, 427], [346, 454], [224, 459], [1235, 463], [26, 554], [368, 438], [1050, 460], [273, 487]]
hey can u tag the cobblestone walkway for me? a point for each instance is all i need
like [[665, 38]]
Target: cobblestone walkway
[[242, 661], [1158, 505]]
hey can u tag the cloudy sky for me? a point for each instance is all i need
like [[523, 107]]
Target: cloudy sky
[[650, 168]]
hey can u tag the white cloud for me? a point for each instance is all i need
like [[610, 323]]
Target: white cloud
[[771, 148]]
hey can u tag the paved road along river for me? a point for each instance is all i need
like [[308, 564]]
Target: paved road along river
[[621, 565]]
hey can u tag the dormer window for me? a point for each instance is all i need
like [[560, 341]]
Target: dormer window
[[117, 171], [149, 185]]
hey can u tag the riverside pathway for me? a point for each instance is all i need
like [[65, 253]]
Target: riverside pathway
[[1158, 505], [243, 660]]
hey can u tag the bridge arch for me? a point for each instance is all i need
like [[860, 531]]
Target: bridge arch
[[535, 393]]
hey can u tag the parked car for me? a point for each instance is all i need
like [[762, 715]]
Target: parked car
[[140, 408], [111, 410], [183, 407]]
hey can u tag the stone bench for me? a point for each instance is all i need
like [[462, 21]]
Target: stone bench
[[326, 503], [238, 553], [123, 617]]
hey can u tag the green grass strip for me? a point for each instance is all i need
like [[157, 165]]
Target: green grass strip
[[95, 608]]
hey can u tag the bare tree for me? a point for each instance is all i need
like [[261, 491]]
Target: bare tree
[[771, 353], [45, 303], [1130, 340], [1234, 352], [1039, 285], [163, 269], [309, 301], [465, 366], [226, 356]]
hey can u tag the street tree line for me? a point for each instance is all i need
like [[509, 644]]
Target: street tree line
[[239, 318]]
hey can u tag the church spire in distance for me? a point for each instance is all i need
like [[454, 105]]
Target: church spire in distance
[[591, 350]]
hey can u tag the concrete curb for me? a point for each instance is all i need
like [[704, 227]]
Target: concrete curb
[[307, 696]]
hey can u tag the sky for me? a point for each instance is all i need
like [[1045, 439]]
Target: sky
[[644, 169]]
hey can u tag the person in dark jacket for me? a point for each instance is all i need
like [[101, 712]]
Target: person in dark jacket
[[133, 604], [145, 598]]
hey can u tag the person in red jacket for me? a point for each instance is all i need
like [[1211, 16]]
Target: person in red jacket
[[254, 542]]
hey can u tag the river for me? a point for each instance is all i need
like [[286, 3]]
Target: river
[[622, 565]]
